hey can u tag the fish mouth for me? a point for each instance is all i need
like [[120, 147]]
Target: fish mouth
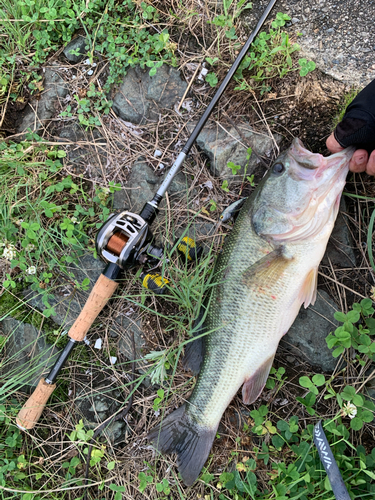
[[311, 166], [326, 178]]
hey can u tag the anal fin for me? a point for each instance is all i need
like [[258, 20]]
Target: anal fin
[[253, 386], [308, 291]]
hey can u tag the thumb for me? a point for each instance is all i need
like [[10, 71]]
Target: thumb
[[332, 145]]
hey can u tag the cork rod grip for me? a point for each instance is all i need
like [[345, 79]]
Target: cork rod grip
[[34, 406], [103, 289]]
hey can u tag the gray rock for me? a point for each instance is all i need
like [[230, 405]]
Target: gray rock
[[306, 337], [125, 327], [68, 307], [77, 43], [222, 146], [55, 88], [142, 185], [99, 405], [28, 355], [90, 158], [340, 245], [141, 97]]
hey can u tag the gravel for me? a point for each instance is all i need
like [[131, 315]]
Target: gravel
[[338, 35]]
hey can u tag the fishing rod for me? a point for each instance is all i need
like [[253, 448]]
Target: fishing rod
[[123, 241]]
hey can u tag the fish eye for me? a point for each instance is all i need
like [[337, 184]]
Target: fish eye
[[278, 169]]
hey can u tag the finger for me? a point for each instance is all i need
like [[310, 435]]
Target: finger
[[332, 145], [370, 169], [359, 161]]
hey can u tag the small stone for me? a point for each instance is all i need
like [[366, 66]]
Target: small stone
[[77, 44], [295, 20], [98, 406], [27, 352], [340, 245], [307, 336], [90, 157], [143, 184], [222, 146], [44, 108], [141, 97]]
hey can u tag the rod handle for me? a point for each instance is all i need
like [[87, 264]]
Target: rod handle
[[34, 406], [103, 290]]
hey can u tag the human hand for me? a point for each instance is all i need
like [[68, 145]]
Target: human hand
[[357, 128], [361, 161]]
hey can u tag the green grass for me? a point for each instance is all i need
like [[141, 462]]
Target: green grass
[[345, 100]]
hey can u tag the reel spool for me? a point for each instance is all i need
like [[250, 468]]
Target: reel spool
[[121, 239]]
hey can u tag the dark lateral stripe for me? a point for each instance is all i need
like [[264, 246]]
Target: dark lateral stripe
[[330, 464]]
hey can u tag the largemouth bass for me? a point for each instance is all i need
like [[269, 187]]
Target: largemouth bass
[[268, 268]]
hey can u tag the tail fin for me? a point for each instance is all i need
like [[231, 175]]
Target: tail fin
[[179, 433]]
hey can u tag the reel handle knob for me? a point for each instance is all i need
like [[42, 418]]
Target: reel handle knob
[[154, 282], [189, 249]]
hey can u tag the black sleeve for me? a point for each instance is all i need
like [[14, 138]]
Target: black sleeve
[[357, 128]]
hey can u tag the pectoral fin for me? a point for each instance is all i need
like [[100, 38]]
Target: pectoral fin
[[253, 386], [269, 268], [307, 293]]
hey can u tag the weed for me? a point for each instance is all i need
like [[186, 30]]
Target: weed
[[270, 56], [345, 100], [41, 233], [358, 337]]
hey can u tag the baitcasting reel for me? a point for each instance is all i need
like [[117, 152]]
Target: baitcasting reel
[[126, 240]]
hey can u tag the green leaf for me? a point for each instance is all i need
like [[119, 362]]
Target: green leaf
[[348, 393], [353, 316], [319, 380], [338, 351], [211, 78], [305, 382], [339, 316], [277, 442], [235, 168], [311, 66], [356, 424], [282, 425], [367, 416]]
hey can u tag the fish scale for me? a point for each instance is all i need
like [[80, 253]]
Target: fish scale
[[266, 271]]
